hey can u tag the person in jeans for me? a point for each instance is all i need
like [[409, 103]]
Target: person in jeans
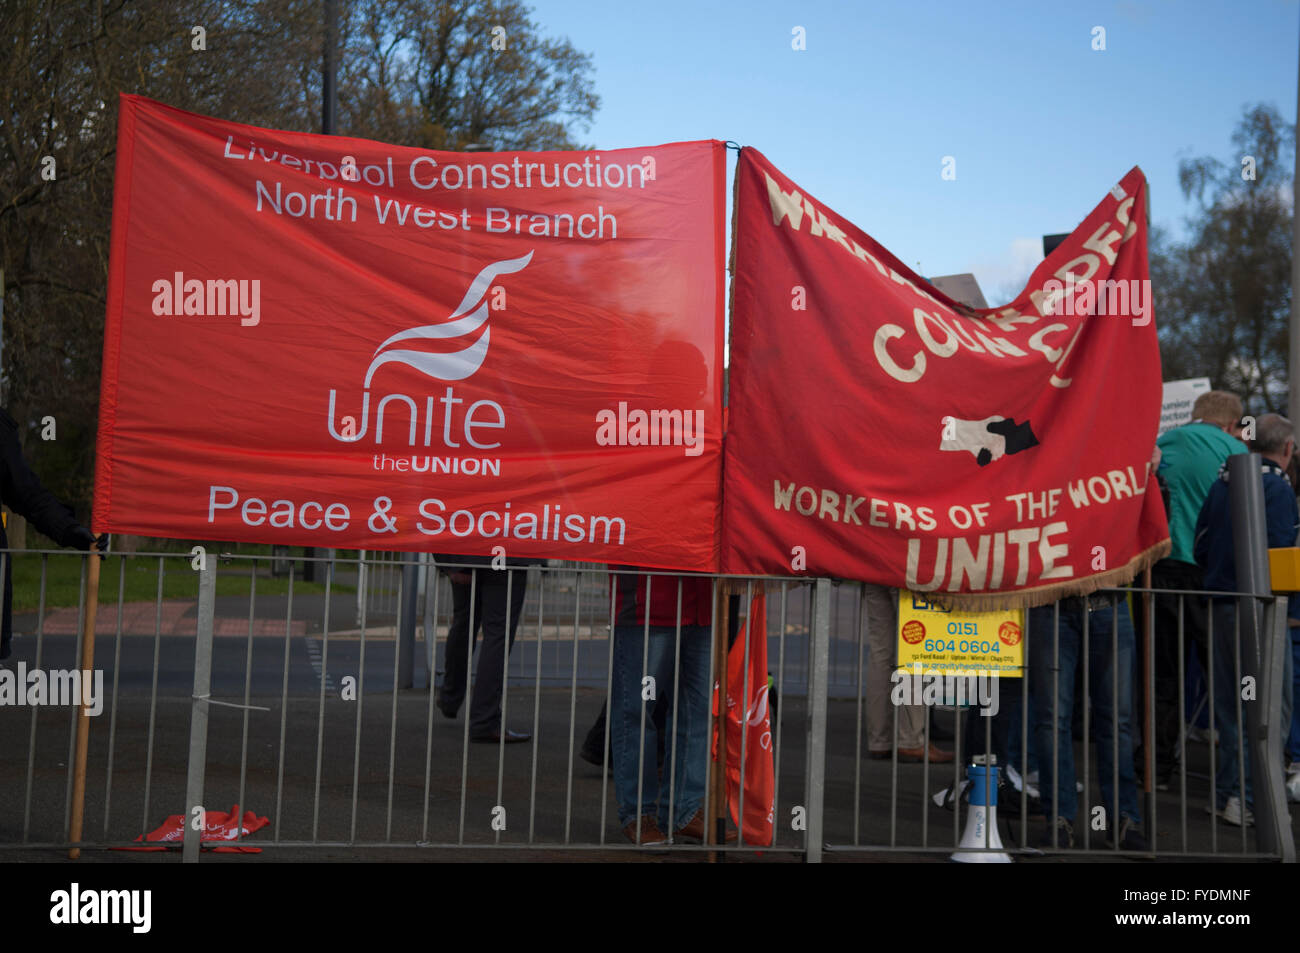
[[1275, 443], [1003, 731], [1110, 645], [634, 736]]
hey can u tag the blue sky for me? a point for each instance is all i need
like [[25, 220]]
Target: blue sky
[[1040, 124]]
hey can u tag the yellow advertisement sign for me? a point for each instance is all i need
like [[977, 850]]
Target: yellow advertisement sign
[[953, 642]]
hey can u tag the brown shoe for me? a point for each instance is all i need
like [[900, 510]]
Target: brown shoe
[[694, 830], [650, 832], [916, 755]]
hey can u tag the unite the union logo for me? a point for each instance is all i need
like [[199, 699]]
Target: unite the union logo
[[424, 349], [464, 322]]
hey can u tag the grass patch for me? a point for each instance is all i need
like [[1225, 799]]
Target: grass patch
[[63, 581]]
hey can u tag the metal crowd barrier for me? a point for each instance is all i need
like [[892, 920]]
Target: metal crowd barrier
[[289, 706], [896, 807], [378, 585]]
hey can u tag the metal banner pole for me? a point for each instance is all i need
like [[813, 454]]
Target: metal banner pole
[[199, 716]]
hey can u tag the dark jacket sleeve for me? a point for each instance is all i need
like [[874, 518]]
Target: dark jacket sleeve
[[22, 492], [1201, 538], [1280, 513]]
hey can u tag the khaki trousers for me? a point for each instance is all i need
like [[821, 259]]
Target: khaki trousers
[[880, 610]]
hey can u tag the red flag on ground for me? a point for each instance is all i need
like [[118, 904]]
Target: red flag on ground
[[754, 726], [217, 826]]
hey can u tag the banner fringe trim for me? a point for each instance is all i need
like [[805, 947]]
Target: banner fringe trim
[[1046, 595]]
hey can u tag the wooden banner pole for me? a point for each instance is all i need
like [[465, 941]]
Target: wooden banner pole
[[83, 716]]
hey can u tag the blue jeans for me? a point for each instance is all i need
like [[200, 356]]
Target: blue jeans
[[688, 764], [1005, 728], [1227, 689], [1105, 670]]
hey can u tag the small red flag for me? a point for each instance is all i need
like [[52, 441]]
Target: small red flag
[[753, 723]]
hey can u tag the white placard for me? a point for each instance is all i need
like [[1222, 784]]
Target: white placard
[[1176, 407]]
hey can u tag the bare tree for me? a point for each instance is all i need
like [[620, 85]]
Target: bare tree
[[1223, 297], [446, 75], [417, 72]]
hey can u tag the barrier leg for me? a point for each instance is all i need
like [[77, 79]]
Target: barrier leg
[[817, 688], [1266, 734], [406, 629], [199, 714]]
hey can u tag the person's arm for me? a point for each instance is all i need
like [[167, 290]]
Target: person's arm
[[457, 574], [1280, 513], [23, 493], [1201, 544]]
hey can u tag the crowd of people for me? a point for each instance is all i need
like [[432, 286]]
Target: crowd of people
[[1195, 635], [1196, 642], [1203, 558]]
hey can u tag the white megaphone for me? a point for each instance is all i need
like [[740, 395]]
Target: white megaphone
[[980, 843]]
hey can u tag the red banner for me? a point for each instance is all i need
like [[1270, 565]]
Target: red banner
[[881, 431], [749, 727], [325, 341]]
